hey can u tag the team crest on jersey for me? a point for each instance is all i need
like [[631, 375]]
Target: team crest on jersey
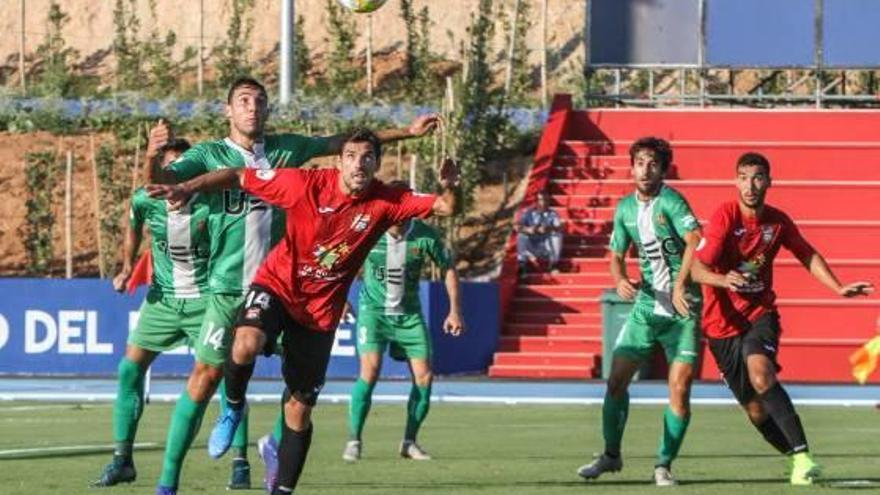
[[267, 174], [661, 220], [328, 257], [360, 223]]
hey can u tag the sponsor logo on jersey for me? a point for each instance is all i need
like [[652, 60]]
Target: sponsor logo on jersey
[[265, 174], [323, 210], [767, 233], [328, 257], [361, 222]]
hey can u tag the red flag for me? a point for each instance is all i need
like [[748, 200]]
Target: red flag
[[142, 273]]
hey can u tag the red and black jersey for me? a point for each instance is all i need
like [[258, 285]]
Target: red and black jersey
[[747, 244], [328, 237]]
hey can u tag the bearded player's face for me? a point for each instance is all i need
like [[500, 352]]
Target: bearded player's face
[[358, 165], [752, 182], [247, 111], [647, 172]]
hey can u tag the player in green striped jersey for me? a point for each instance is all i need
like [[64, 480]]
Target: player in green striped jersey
[[242, 229], [390, 315], [171, 315], [659, 222]]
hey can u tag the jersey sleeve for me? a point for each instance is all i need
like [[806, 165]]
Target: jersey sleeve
[[620, 239], [138, 210], [681, 215], [406, 204], [192, 163], [303, 148], [281, 187], [714, 236], [794, 241], [437, 250]]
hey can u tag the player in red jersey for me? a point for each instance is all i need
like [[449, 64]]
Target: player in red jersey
[[334, 217], [740, 319]]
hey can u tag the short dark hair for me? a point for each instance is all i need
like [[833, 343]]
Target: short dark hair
[[179, 145], [660, 147], [362, 135], [753, 158], [242, 82]]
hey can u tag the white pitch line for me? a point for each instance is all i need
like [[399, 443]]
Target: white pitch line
[[69, 448], [450, 399], [43, 408]]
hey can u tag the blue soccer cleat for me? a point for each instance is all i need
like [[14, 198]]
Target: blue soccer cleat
[[166, 490], [224, 431], [241, 475]]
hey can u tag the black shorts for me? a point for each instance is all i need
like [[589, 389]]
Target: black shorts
[[305, 353], [731, 354]]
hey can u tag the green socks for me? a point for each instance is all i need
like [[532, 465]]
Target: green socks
[[674, 428], [614, 413], [359, 407], [129, 405], [240, 440], [416, 410], [279, 426], [185, 422]]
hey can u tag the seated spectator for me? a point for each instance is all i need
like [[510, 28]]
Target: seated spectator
[[540, 235]]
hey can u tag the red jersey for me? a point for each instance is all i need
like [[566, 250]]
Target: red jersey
[[329, 235], [733, 241]]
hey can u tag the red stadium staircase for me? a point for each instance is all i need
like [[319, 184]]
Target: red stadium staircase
[[826, 171]]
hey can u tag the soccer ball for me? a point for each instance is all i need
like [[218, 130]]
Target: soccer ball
[[362, 6]]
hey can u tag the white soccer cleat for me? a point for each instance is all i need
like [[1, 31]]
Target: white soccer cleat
[[663, 476], [411, 450], [601, 464], [352, 452]]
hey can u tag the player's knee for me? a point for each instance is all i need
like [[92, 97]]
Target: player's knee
[[247, 345], [370, 375], [617, 385], [762, 382], [297, 415], [424, 378], [756, 413], [203, 381]]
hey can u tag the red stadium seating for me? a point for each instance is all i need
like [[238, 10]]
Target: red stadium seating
[[826, 171]]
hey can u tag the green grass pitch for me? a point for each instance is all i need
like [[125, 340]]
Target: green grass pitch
[[478, 449]]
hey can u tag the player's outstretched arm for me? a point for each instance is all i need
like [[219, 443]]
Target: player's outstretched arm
[[679, 288], [419, 127], [444, 205], [130, 245], [820, 270], [454, 323], [178, 194]]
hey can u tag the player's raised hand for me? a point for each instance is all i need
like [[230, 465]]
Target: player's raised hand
[[626, 289], [159, 136], [448, 174], [423, 124], [453, 325], [735, 280], [176, 195], [856, 289], [121, 279]]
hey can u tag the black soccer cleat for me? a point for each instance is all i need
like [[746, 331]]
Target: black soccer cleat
[[120, 470], [241, 475]]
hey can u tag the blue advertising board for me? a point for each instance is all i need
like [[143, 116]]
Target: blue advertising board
[[79, 327]]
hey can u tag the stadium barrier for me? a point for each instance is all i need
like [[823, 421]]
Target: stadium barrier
[[79, 327]]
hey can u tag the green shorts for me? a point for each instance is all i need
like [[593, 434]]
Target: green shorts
[[166, 322], [215, 334], [406, 334], [643, 330]]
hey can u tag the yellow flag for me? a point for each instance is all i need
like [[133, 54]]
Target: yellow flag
[[864, 360]]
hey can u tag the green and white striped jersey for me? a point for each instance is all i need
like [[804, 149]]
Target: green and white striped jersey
[[180, 243], [657, 228], [243, 228], [394, 266]]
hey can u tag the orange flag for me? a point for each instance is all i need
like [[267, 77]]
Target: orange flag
[[864, 360], [142, 273]]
